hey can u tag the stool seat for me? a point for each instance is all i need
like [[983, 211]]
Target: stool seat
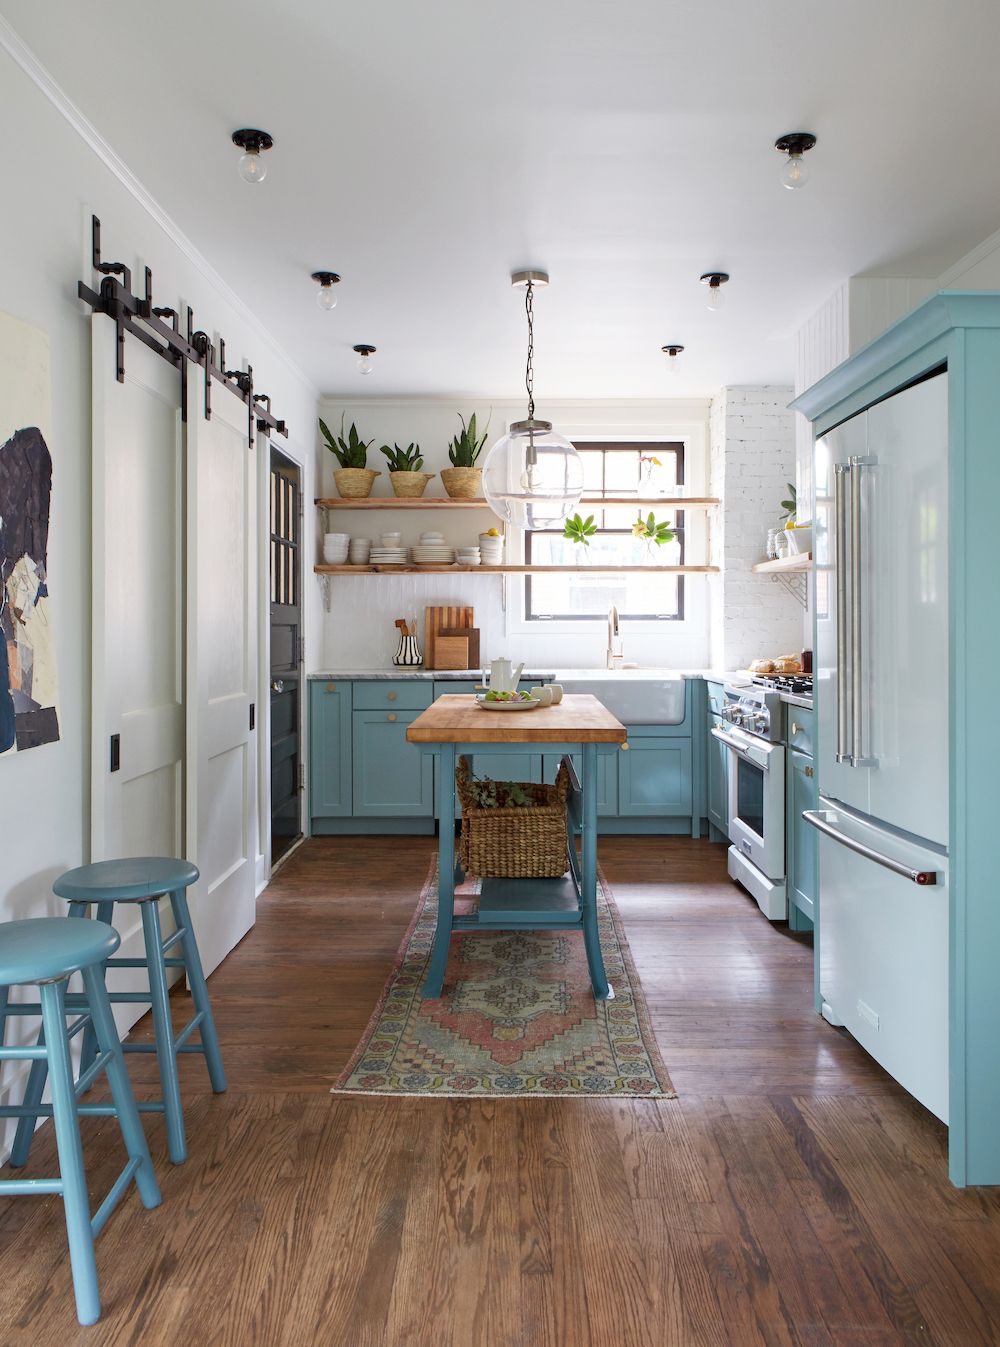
[[133, 879], [41, 948]]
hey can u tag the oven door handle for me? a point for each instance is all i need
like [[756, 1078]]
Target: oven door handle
[[733, 747], [819, 819]]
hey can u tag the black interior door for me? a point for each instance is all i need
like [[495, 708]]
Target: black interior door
[[286, 654]]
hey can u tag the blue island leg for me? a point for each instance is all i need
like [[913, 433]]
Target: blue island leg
[[446, 870], [591, 939]]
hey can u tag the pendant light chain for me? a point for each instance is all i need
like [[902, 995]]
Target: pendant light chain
[[529, 373]]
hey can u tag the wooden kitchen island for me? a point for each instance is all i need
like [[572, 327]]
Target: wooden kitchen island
[[580, 725]]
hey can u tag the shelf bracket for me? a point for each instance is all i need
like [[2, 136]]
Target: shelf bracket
[[796, 584]]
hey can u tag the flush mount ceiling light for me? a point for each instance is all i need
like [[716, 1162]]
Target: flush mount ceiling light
[[673, 352], [532, 477], [715, 280], [365, 354], [253, 144], [794, 173], [326, 295]]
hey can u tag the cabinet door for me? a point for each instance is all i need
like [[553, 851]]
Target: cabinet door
[[718, 778], [607, 779], [392, 779], [802, 868], [654, 776], [329, 749]]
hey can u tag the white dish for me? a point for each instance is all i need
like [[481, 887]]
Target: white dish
[[484, 705]]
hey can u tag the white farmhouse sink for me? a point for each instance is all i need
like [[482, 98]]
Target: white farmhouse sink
[[635, 696]]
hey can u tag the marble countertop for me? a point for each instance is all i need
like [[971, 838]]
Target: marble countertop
[[560, 675], [435, 675]]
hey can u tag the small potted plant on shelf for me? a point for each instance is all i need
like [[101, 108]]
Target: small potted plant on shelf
[[800, 536], [405, 473], [463, 480], [354, 478]]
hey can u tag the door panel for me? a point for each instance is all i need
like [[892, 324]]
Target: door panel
[[718, 778], [654, 777], [285, 698], [392, 779], [607, 779], [800, 838], [222, 669], [330, 750]]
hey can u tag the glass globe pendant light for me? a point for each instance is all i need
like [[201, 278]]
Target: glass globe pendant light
[[532, 477]]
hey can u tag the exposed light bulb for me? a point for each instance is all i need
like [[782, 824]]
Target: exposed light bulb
[[794, 172], [326, 296], [714, 298], [532, 479], [252, 167], [673, 354], [673, 364], [365, 364]]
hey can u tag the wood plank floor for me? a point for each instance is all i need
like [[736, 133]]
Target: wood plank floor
[[791, 1195]]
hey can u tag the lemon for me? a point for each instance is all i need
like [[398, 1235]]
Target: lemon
[[493, 533]]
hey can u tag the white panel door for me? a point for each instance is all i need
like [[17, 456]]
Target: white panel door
[[906, 675], [138, 628], [222, 668]]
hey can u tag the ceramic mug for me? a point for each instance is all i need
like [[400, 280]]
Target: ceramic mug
[[543, 695], [557, 692]]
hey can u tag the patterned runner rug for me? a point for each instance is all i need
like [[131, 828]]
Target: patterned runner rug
[[516, 1017]]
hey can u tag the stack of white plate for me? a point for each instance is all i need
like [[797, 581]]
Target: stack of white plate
[[433, 554], [468, 556], [335, 546], [389, 556], [360, 551], [490, 549]]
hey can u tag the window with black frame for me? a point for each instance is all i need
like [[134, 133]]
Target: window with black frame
[[617, 475]]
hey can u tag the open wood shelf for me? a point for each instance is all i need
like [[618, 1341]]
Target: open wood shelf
[[478, 503], [784, 565], [323, 569]]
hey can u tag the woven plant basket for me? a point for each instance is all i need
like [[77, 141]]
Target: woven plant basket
[[526, 842], [409, 483], [355, 483], [463, 483]]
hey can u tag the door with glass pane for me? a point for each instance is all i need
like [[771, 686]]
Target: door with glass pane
[[285, 683]]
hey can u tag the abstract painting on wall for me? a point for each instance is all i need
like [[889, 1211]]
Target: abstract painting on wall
[[29, 704]]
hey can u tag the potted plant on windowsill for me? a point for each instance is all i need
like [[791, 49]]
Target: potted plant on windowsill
[[405, 473], [463, 480], [354, 478]]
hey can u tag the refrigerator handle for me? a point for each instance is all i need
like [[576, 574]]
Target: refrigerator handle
[[858, 713], [819, 819], [840, 543]]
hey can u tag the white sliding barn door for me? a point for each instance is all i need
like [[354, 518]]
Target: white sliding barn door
[[221, 667], [137, 785]]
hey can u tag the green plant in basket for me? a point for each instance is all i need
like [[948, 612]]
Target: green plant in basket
[[466, 448], [579, 530], [349, 453], [653, 531], [409, 459]]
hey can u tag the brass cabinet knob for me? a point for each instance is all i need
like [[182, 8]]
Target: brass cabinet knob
[[331, 687], [391, 696], [391, 715], [808, 771], [796, 728], [625, 747]]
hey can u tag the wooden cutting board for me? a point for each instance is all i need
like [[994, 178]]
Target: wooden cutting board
[[436, 620], [472, 634]]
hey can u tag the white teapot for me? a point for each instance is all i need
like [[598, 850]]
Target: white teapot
[[503, 676]]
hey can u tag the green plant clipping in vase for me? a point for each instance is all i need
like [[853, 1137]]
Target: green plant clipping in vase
[[791, 505], [349, 453], [653, 531], [466, 448], [409, 459], [579, 530]]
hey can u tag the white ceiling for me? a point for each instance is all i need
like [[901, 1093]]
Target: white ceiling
[[423, 150]]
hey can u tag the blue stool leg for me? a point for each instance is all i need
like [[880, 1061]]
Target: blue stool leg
[[75, 1201], [121, 1086], [105, 912], [199, 991], [33, 1092], [166, 1057]]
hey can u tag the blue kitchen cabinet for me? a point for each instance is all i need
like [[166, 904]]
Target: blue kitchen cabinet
[[717, 780], [607, 779], [654, 775], [392, 779], [801, 856], [330, 794]]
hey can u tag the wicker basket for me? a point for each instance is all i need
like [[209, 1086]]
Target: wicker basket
[[409, 483], [463, 483], [355, 483], [517, 843]]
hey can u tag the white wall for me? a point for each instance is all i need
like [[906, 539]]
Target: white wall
[[55, 180], [359, 630], [752, 458]]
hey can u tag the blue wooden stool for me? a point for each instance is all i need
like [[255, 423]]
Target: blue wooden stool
[[144, 880], [46, 951]]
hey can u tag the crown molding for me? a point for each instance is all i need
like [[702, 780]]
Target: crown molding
[[979, 254], [22, 56]]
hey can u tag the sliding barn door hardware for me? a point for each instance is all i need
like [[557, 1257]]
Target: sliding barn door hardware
[[146, 321]]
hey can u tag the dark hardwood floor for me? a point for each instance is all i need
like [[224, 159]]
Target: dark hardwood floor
[[791, 1195]]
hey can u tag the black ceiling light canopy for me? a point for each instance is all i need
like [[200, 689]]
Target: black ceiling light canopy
[[326, 295], [793, 145], [715, 280], [253, 143]]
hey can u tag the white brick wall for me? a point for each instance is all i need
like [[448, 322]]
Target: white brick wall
[[751, 459]]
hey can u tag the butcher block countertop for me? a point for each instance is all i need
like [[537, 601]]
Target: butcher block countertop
[[456, 719]]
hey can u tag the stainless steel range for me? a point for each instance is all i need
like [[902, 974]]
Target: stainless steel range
[[753, 730]]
